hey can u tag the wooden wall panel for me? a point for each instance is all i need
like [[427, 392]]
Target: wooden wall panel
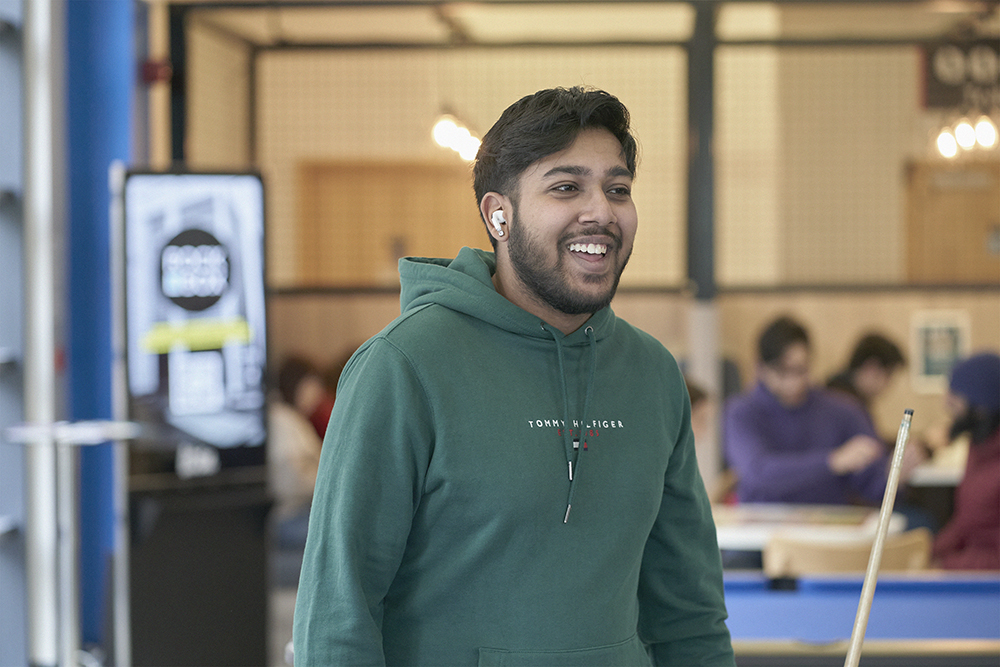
[[357, 219], [953, 222]]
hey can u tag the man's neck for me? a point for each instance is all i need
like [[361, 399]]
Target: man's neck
[[564, 322]]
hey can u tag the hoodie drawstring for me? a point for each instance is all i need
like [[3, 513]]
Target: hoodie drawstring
[[573, 453]]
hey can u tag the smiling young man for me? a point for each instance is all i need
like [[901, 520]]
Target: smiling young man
[[509, 476]]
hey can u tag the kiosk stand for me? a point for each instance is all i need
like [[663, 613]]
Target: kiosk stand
[[194, 349]]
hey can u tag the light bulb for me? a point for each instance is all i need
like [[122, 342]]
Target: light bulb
[[965, 134], [986, 132], [450, 133], [946, 144], [444, 130], [461, 135], [468, 149]]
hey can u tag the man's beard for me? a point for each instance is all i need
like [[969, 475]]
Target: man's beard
[[550, 284]]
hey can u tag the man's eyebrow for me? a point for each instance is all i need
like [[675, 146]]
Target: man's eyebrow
[[574, 170]]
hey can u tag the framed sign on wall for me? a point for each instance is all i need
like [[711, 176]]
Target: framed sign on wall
[[939, 339]]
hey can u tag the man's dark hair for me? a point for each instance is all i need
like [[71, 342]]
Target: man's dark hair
[[541, 124], [778, 337], [878, 348]]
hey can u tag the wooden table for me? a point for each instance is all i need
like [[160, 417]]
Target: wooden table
[[749, 526]]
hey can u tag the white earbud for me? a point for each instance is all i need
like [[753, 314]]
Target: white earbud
[[497, 219]]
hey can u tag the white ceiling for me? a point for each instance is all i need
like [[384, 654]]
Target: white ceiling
[[526, 22]]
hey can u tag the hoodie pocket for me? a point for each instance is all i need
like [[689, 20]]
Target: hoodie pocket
[[628, 653]]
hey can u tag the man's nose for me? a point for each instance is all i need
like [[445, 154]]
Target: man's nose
[[599, 210]]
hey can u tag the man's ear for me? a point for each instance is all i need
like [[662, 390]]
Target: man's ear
[[496, 223]]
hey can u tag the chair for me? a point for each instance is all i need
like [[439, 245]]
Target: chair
[[790, 555]]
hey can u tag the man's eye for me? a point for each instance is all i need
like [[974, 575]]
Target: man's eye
[[621, 191], [565, 187]]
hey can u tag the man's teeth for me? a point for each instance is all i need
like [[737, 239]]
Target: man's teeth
[[589, 248]]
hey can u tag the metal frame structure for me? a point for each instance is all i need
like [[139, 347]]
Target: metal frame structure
[[48, 642]]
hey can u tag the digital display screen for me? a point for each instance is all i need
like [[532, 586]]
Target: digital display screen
[[195, 309]]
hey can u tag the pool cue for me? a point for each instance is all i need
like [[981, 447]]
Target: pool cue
[[871, 576]]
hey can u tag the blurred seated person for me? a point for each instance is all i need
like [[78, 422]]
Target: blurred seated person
[[971, 538], [296, 426], [301, 386], [293, 449], [869, 371], [791, 442]]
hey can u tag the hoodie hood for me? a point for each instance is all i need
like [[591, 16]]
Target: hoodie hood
[[465, 285]]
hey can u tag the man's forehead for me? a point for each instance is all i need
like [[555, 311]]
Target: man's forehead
[[577, 162]]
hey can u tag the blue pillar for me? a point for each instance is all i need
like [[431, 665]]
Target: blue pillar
[[100, 77]]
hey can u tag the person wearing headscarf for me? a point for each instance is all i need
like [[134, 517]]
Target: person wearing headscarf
[[971, 538]]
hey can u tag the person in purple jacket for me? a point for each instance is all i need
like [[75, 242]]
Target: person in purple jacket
[[789, 441]]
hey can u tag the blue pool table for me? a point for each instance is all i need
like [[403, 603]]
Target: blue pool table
[[948, 619]]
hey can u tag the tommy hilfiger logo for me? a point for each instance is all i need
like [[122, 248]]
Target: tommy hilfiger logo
[[592, 429], [561, 423]]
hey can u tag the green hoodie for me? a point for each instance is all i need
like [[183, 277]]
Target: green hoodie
[[441, 530]]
